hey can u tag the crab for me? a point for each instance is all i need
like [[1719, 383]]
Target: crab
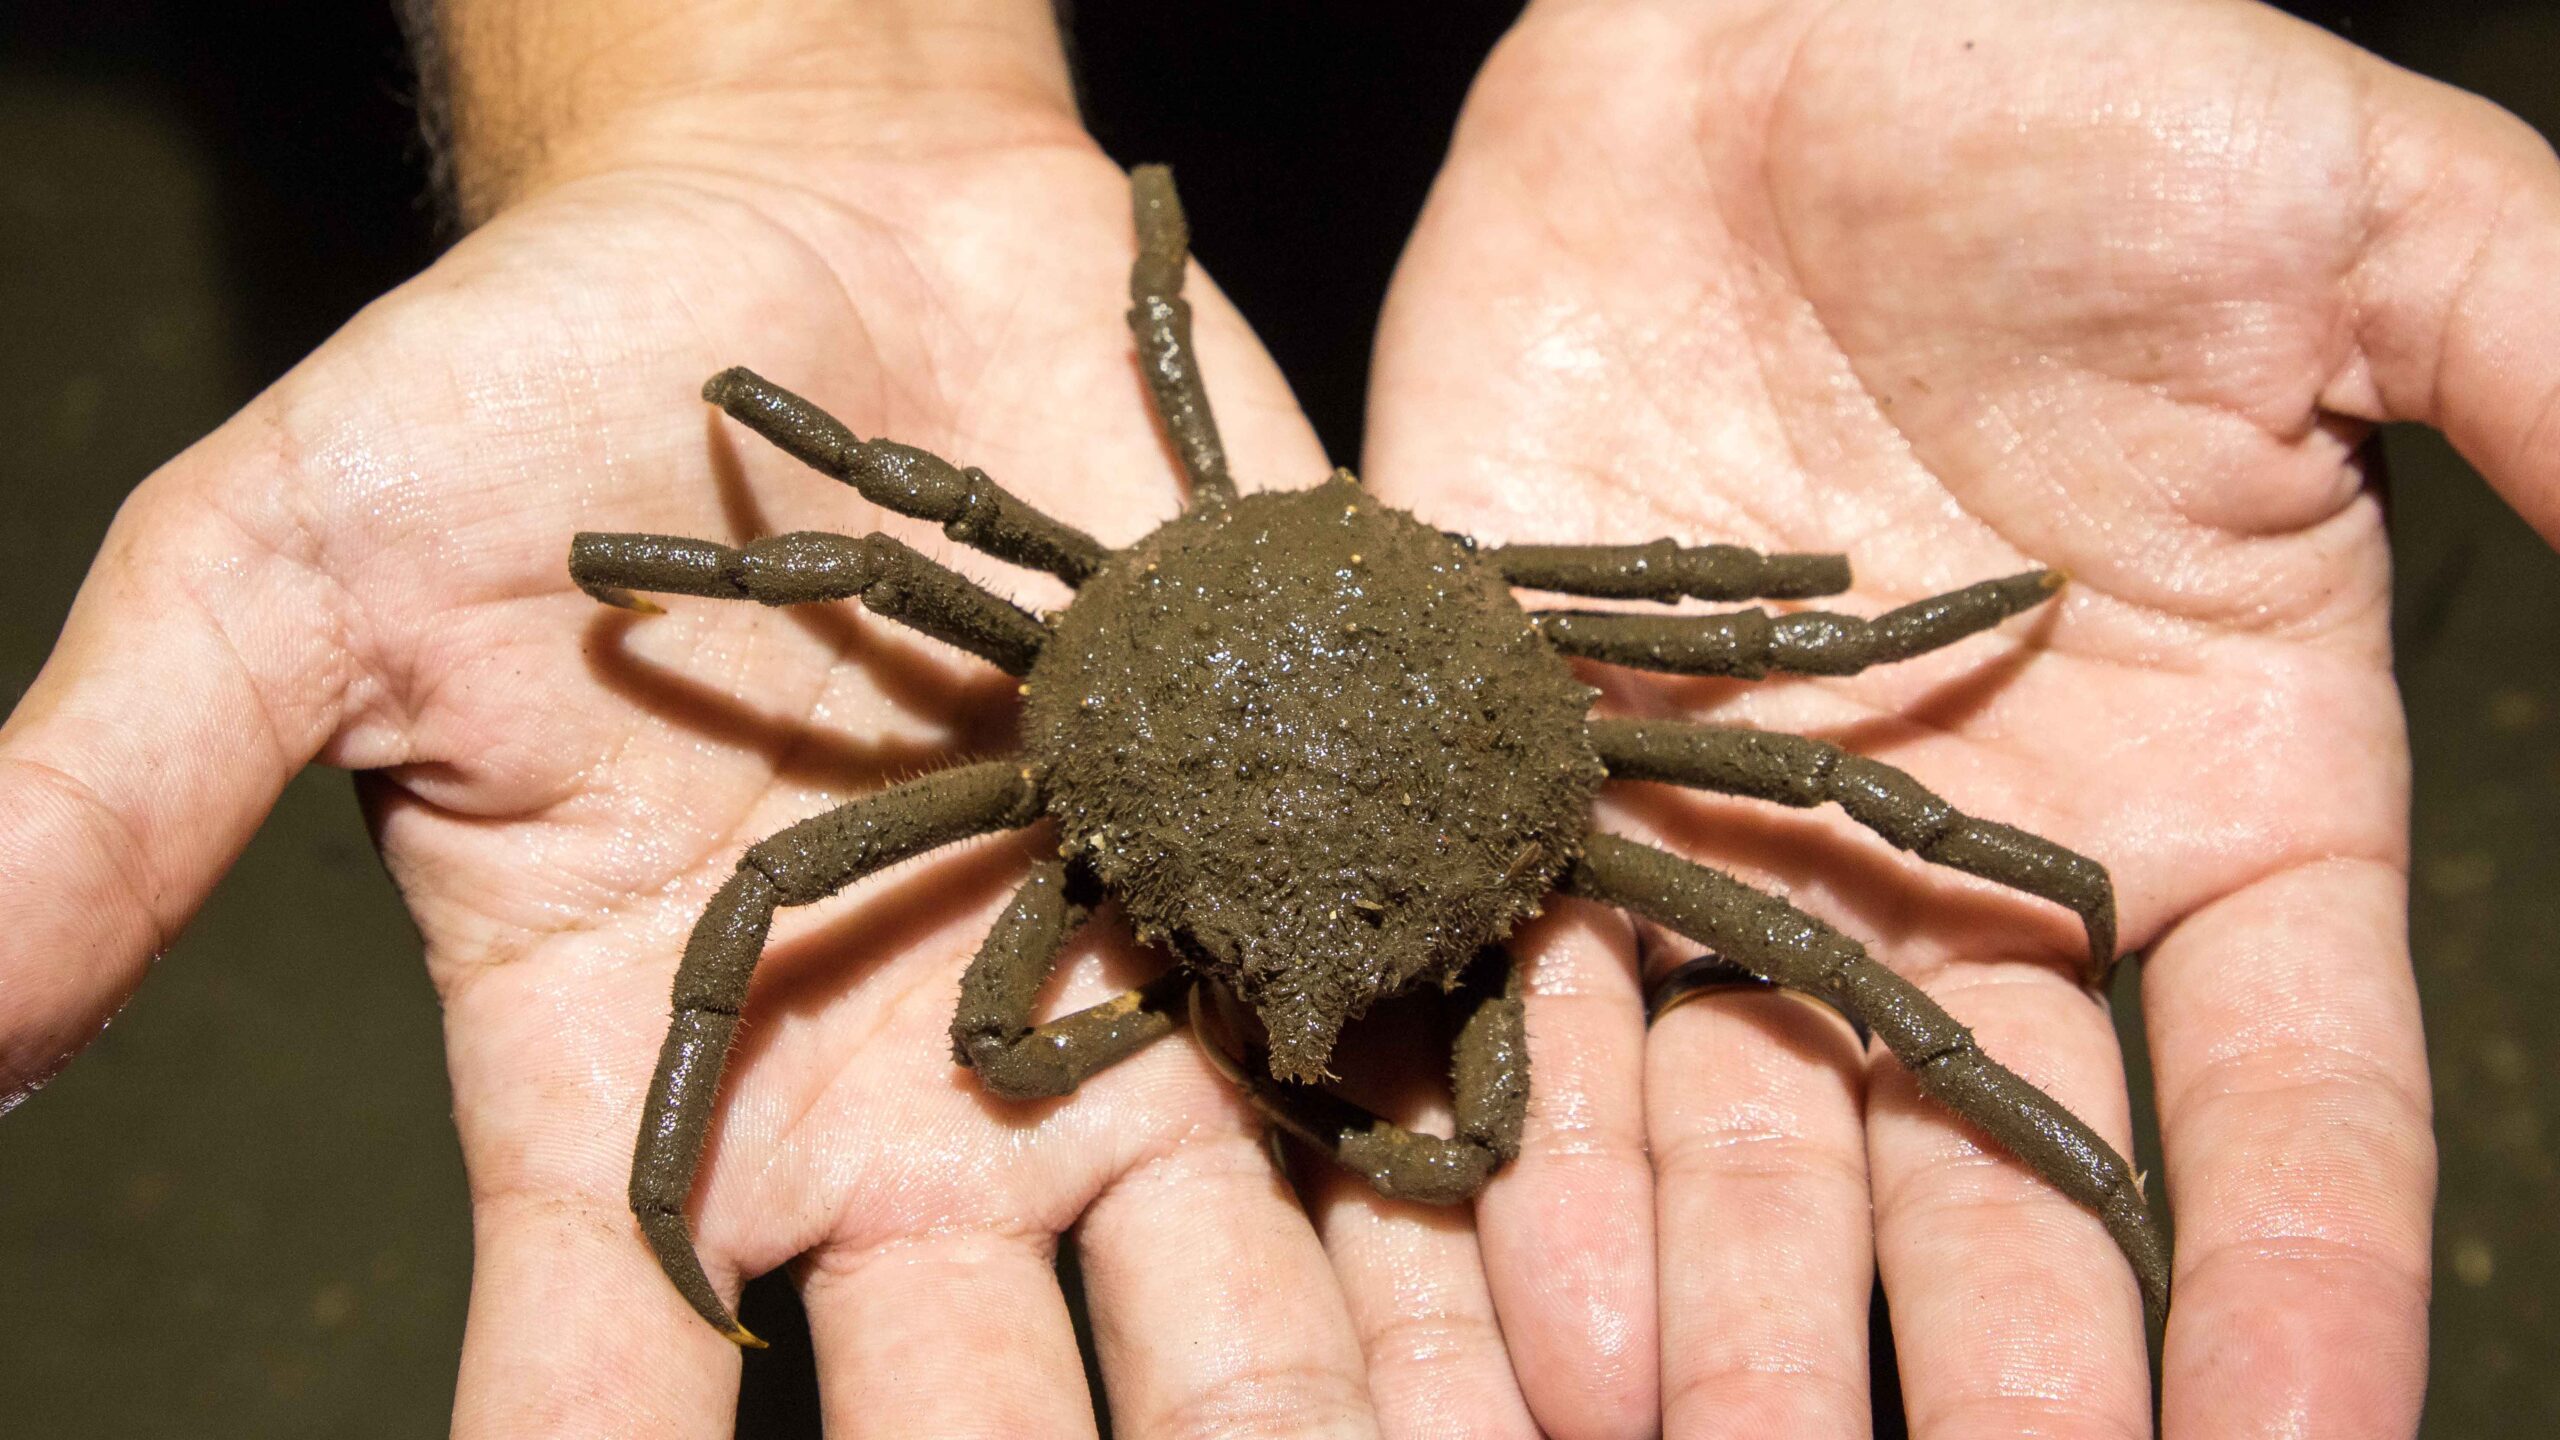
[[1319, 753]]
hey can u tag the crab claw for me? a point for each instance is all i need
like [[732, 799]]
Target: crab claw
[[672, 1239]]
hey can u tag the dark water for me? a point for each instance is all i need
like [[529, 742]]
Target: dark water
[[242, 1213]]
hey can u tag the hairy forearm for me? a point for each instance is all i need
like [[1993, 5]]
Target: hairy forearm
[[520, 94]]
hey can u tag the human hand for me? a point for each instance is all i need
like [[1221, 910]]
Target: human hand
[[902, 219], [2111, 287]]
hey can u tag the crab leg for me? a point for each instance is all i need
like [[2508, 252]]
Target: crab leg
[[1780, 943], [1161, 320], [1792, 770], [806, 863], [1662, 570], [1489, 1081], [969, 507], [1748, 644], [891, 580], [993, 1033]]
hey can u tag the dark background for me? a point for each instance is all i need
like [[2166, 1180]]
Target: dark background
[[242, 1213]]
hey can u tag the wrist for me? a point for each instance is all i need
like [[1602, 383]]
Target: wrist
[[526, 94]]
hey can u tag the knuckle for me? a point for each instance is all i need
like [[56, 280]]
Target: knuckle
[[2290, 1075], [2385, 1272], [1430, 1341], [1742, 1398], [1760, 1151], [1287, 1400], [2062, 1417]]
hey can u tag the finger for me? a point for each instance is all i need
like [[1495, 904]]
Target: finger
[[908, 1335], [1753, 1102], [574, 1332], [201, 667], [1566, 1230], [2013, 1311], [2457, 322], [2295, 1118], [1416, 1291], [1214, 1310]]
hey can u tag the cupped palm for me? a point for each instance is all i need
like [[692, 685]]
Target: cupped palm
[[1959, 290]]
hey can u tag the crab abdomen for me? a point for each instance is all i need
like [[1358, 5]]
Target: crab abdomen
[[1317, 746]]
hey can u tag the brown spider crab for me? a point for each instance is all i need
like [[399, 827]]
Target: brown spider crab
[[1318, 752]]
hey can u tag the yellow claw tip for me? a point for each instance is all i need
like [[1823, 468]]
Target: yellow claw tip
[[2056, 579], [744, 1338], [621, 599]]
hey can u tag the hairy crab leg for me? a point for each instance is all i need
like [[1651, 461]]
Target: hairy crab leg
[[890, 579], [992, 1033], [1161, 320], [1662, 570], [1489, 1082], [1780, 943], [803, 864], [1792, 770], [1748, 644], [969, 507]]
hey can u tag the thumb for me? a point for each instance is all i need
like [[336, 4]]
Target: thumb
[[199, 670], [2458, 321]]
